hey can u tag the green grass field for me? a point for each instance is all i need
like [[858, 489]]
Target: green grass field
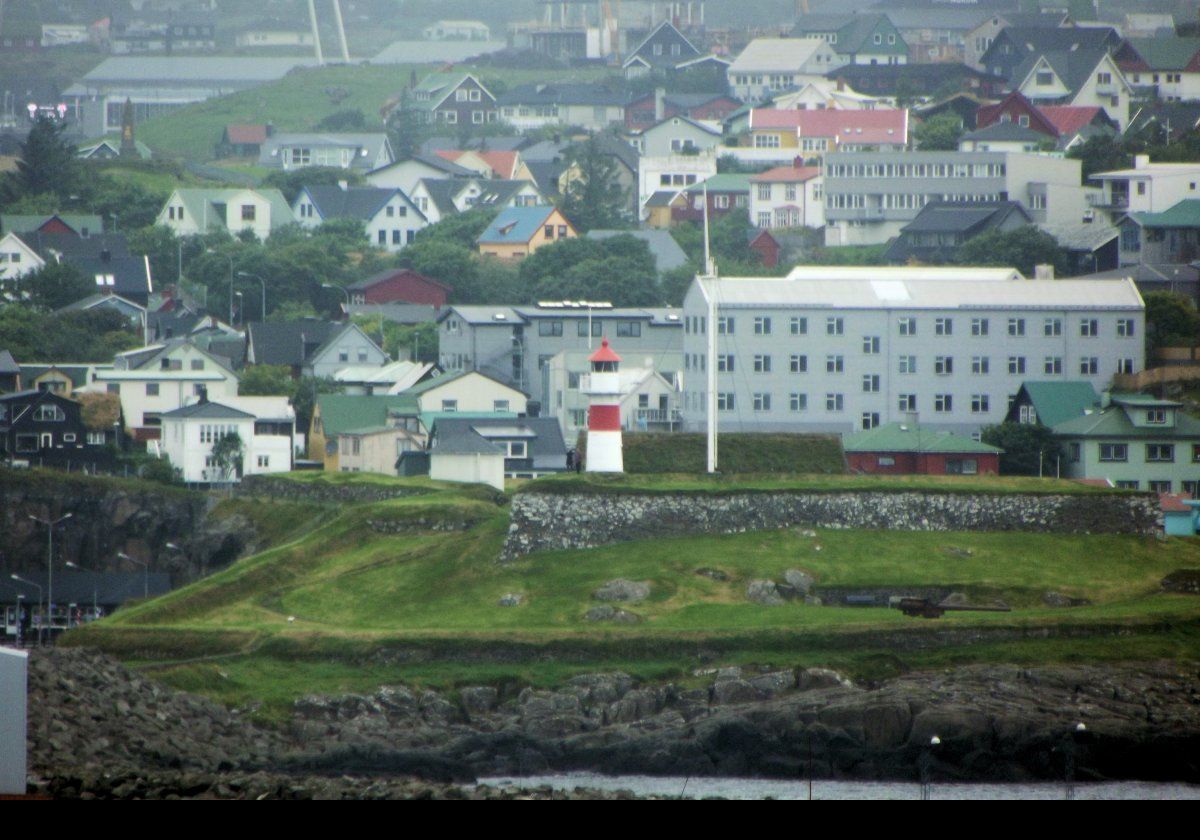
[[304, 97], [361, 601]]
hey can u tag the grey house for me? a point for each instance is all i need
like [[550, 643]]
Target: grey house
[[311, 347]]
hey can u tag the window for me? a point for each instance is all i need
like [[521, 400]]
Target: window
[[1016, 326], [1053, 366], [870, 383], [248, 212], [979, 365], [871, 345], [943, 403], [1089, 366], [49, 414], [908, 364], [834, 402], [1016, 365], [581, 329], [762, 326], [908, 326], [835, 364], [962, 466], [798, 402], [725, 325], [725, 363], [264, 461], [450, 405], [908, 402], [762, 364], [151, 389], [725, 401], [798, 364], [1156, 416], [1125, 365], [1114, 452], [762, 402], [943, 365], [799, 326], [501, 405], [1052, 327], [1125, 328], [943, 326], [980, 404], [548, 329], [979, 326], [1160, 452], [629, 329], [1044, 78], [1089, 328], [834, 326], [516, 449]]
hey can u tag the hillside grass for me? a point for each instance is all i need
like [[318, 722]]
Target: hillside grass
[[420, 606], [305, 96]]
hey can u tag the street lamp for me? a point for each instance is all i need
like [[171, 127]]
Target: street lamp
[[262, 283], [50, 525], [926, 767], [230, 258], [41, 624], [341, 289], [95, 598], [241, 306], [145, 570]]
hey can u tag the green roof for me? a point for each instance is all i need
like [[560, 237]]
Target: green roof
[[1166, 53], [1144, 401], [1055, 402], [902, 437], [724, 182], [1185, 214], [354, 412], [1113, 422]]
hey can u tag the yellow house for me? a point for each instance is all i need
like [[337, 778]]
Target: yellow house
[[519, 231]]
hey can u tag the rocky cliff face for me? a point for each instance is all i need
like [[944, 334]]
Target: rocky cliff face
[[110, 517]]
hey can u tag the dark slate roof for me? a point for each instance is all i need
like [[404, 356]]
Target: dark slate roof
[[496, 192], [618, 148], [563, 94], [333, 202], [106, 253], [231, 350], [438, 162], [79, 587], [290, 342], [546, 173], [8, 365], [1005, 132], [661, 198], [442, 191], [1041, 39], [962, 216], [1074, 67], [547, 450], [208, 410], [921, 76]]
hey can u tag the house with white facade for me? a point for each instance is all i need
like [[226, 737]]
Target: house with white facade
[[1166, 68], [650, 392], [844, 349], [1146, 188], [870, 196], [390, 217], [311, 347], [1085, 77], [590, 106], [192, 211], [770, 65], [363, 152], [190, 434], [787, 197], [152, 381], [438, 198], [404, 174], [673, 173], [676, 135]]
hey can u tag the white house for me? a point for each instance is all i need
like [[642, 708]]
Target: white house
[[770, 65], [676, 135], [160, 378], [390, 217], [467, 391], [189, 212], [190, 434], [787, 197], [1085, 77], [404, 174], [1147, 187], [16, 258], [438, 198], [825, 94], [673, 172], [362, 152]]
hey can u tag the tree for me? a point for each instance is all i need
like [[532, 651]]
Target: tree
[[56, 285], [1171, 320], [267, 381], [1100, 153], [227, 454], [593, 197], [48, 163], [938, 134], [1023, 249], [1029, 448]]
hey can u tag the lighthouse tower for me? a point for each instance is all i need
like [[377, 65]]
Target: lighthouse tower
[[604, 412]]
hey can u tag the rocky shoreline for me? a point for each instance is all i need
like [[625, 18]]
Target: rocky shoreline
[[98, 730]]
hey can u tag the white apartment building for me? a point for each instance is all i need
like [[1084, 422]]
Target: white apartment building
[[1146, 188], [842, 349], [190, 433]]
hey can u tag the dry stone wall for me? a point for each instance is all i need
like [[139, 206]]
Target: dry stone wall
[[542, 521]]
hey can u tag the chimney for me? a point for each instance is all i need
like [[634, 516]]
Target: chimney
[[1141, 161], [660, 95], [1043, 271], [203, 394], [841, 84]]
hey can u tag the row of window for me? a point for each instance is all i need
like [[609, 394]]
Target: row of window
[[907, 365], [915, 170], [907, 326], [624, 329], [761, 401], [1163, 453]]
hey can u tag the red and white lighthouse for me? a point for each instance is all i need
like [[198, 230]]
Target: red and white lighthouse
[[604, 412]]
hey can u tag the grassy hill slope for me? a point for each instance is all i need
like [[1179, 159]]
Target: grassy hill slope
[[408, 590]]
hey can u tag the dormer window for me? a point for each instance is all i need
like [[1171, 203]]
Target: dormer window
[[1156, 416]]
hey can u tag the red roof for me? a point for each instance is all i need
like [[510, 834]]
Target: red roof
[[604, 354], [787, 174], [1069, 119], [889, 125], [1171, 503], [246, 135], [502, 164], [774, 118]]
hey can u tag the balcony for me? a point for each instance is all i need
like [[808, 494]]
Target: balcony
[[658, 418], [1109, 201]]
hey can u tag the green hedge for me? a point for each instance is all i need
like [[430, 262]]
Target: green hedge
[[651, 452]]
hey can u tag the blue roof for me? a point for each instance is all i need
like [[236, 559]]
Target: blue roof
[[516, 225]]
